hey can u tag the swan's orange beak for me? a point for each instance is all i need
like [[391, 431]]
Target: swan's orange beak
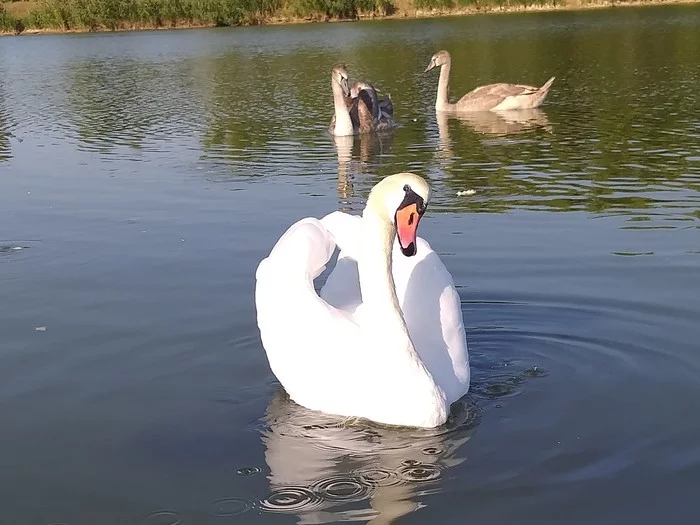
[[407, 219]]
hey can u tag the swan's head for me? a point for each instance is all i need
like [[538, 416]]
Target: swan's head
[[357, 87], [401, 199], [438, 59], [340, 75]]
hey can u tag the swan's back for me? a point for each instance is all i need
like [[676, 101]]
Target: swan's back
[[503, 96], [429, 301]]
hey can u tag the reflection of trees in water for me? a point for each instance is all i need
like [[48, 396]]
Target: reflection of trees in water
[[619, 113], [124, 102], [616, 140], [256, 102], [109, 102], [326, 470], [5, 150], [260, 105]]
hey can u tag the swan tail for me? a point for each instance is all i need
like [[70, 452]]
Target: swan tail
[[542, 93], [545, 87], [532, 97]]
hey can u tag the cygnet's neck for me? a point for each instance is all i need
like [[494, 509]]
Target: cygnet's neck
[[442, 102], [343, 123]]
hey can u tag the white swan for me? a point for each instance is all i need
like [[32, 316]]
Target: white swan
[[385, 340]]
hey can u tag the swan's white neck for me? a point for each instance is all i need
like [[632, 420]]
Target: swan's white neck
[[343, 123], [441, 102], [405, 376], [382, 309], [376, 278]]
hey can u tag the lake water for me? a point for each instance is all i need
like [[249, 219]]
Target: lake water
[[144, 175]]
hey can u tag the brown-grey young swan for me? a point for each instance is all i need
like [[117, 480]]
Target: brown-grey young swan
[[496, 97], [379, 107], [357, 115]]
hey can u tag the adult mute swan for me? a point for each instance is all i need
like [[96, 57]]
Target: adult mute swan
[[493, 97], [385, 339]]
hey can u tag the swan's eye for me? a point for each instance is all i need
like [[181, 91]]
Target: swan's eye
[[406, 188]]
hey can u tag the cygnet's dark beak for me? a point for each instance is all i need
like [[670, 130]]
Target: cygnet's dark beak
[[345, 85], [430, 66]]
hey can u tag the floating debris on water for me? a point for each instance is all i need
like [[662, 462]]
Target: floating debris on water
[[465, 192], [10, 248], [40, 329]]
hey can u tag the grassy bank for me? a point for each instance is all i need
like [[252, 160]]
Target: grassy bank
[[112, 15]]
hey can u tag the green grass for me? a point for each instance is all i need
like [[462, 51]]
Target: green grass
[[121, 14], [115, 14], [90, 15], [8, 22]]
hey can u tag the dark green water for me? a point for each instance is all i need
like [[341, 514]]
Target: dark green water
[[144, 175]]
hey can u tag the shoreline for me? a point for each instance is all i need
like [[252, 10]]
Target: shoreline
[[401, 13]]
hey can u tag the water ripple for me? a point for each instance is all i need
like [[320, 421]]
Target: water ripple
[[290, 499], [230, 507], [248, 471], [342, 488], [163, 517], [418, 472], [378, 477]]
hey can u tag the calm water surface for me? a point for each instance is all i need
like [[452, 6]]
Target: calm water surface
[[143, 176]]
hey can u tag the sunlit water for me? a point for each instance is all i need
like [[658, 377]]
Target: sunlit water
[[144, 175]]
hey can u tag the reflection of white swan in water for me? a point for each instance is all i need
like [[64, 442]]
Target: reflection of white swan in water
[[496, 123], [325, 471]]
